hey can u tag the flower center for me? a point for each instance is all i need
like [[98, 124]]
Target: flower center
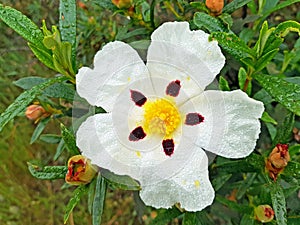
[[161, 117]]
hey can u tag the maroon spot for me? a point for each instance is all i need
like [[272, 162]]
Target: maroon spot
[[138, 98], [173, 88], [193, 119], [137, 134], [168, 146]]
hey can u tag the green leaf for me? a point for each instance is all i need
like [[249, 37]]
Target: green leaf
[[223, 84], [247, 220], [277, 36], [22, 25], [25, 99], [77, 194], [124, 35], [263, 96], [233, 205], [263, 61], [120, 181], [292, 170], [245, 185], [99, 198], [106, 4], [200, 6], [233, 45], [220, 180], [58, 90], [91, 195], [48, 172], [242, 77], [268, 119], [69, 140], [50, 138], [279, 204], [190, 218], [60, 148], [284, 130], [39, 129], [286, 93], [234, 5], [210, 23], [164, 216], [43, 55]]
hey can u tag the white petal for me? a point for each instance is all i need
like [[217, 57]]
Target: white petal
[[176, 52], [99, 139], [190, 186], [231, 122], [115, 66]]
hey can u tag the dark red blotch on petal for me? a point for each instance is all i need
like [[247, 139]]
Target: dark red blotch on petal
[[168, 146], [173, 88], [138, 98], [193, 119], [137, 134]]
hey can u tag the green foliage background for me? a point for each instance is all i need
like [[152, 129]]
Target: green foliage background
[[26, 200]]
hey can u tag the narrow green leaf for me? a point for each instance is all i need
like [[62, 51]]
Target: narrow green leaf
[[286, 93], [264, 60], [60, 148], [39, 129], [245, 185], [278, 7], [69, 140], [223, 84], [43, 55], [277, 36], [204, 218], [292, 170], [165, 216], [106, 4], [279, 204], [140, 31], [234, 5], [233, 45], [91, 195], [99, 198], [24, 99], [233, 205], [50, 138], [22, 25], [268, 119], [190, 218], [263, 96], [117, 181], [48, 172], [67, 24], [77, 194], [210, 23], [247, 220], [284, 130], [242, 77], [220, 180]]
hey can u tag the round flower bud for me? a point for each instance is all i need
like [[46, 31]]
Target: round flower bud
[[215, 6], [122, 4], [80, 170], [264, 213], [36, 112]]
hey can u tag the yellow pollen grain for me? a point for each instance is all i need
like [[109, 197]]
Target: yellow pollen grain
[[128, 79], [188, 78], [197, 183], [138, 153], [161, 117]]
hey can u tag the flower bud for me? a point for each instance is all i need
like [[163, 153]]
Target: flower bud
[[80, 170], [277, 160], [264, 213], [215, 6], [122, 4], [36, 112]]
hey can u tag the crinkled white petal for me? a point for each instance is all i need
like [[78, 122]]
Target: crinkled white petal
[[190, 186], [176, 52], [231, 122], [115, 66], [144, 160]]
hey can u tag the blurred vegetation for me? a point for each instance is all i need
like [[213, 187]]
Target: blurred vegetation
[[25, 200]]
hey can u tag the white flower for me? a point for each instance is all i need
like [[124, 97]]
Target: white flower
[[160, 118]]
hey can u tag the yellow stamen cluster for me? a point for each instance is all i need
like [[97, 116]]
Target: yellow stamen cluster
[[161, 117]]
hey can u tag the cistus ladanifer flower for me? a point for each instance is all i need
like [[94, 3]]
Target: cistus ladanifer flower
[[160, 120]]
